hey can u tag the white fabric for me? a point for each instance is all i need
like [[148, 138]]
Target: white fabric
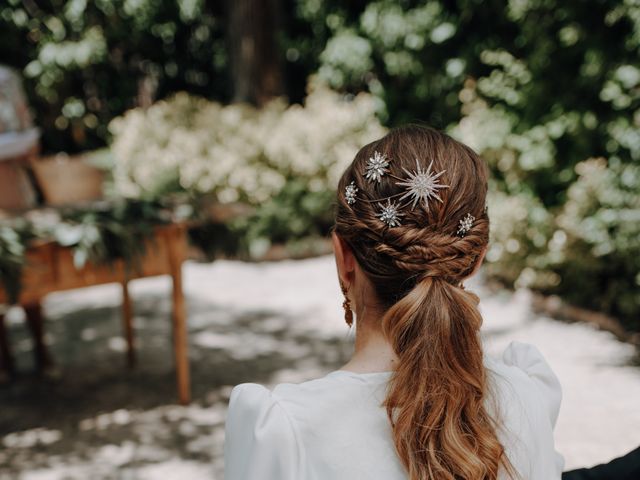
[[13, 144], [333, 428]]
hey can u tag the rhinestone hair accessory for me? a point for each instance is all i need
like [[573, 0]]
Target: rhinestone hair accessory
[[422, 186], [389, 213], [350, 192], [465, 224], [376, 167]]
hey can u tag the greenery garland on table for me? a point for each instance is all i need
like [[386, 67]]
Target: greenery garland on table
[[13, 240], [100, 233], [110, 230]]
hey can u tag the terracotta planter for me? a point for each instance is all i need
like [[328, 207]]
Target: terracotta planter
[[64, 180]]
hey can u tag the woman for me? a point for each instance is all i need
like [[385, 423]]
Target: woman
[[418, 400]]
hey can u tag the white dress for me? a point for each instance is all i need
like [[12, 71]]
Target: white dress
[[333, 428]]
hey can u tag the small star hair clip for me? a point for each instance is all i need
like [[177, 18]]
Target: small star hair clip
[[389, 213], [376, 167], [350, 192], [465, 224]]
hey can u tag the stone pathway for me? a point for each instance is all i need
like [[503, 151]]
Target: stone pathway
[[266, 323]]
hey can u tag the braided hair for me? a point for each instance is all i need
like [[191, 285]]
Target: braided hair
[[440, 427]]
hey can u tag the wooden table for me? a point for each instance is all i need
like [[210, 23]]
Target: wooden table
[[49, 268]]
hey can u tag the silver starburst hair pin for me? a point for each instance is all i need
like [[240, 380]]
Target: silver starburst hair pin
[[350, 192], [376, 166], [389, 213], [465, 224], [422, 186]]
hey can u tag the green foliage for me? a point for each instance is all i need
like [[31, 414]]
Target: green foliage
[[284, 161], [109, 230], [596, 249], [87, 62], [292, 214], [13, 238], [559, 79], [520, 231], [536, 87], [100, 233], [586, 250]]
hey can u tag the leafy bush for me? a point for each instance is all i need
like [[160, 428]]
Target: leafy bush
[[285, 161], [520, 231], [580, 242], [559, 81], [13, 238], [596, 248], [293, 214], [86, 62], [534, 86], [587, 250]]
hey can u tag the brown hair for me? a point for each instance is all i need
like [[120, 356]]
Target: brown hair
[[440, 426]]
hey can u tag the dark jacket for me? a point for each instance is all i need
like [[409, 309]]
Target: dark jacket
[[622, 468]]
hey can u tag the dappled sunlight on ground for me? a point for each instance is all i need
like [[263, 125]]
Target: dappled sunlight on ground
[[267, 323]]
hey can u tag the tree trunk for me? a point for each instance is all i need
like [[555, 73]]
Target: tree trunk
[[256, 64]]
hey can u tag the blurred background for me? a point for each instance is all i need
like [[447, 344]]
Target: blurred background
[[229, 122]]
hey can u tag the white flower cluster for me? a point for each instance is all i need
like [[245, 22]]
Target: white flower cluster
[[237, 152]]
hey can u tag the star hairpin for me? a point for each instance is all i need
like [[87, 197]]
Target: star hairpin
[[350, 192], [389, 213], [376, 166], [465, 224], [422, 185]]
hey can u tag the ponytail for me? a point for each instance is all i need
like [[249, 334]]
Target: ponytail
[[435, 399], [436, 396]]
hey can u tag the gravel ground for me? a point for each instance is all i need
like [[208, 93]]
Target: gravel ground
[[267, 323]]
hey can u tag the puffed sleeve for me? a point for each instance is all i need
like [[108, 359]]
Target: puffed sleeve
[[529, 359], [260, 439], [541, 395]]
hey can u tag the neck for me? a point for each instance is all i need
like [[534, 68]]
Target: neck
[[373, 352]]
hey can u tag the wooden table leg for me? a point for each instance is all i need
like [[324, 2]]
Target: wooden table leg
[[127, 323], [35, 322], [7, 366], [176, 246]]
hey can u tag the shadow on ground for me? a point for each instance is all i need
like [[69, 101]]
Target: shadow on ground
[[95, 418], [265, 323]]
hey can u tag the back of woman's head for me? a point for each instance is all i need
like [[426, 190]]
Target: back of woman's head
[[411, 207]]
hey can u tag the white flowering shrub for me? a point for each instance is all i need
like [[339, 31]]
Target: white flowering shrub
[[520, 230], [283, 160], [237, 152], [583, 243], [598, 239], [513, 153]]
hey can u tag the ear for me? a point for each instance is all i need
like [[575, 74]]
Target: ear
[[345, 260]]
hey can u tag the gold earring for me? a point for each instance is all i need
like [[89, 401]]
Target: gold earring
[[348, 314]]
